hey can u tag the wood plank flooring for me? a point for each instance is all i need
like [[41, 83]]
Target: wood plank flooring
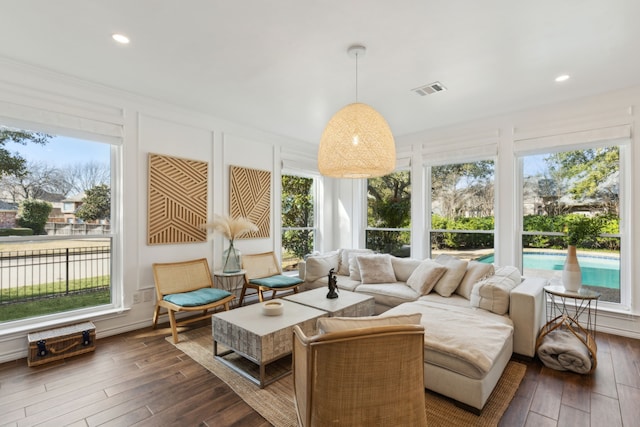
[[140, 379]]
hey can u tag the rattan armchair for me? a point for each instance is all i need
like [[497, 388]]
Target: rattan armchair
[[186, 286], [360, 377], [263, 273]]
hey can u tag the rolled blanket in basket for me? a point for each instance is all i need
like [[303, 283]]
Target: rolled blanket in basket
[[562, 350]]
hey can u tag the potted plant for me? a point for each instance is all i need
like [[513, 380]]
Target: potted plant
[[231, 228], [579, 229]]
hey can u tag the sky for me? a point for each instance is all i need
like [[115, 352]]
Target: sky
[[63, 151]]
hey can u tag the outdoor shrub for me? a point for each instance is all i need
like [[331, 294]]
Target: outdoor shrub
[[16, 232], [34, 214]]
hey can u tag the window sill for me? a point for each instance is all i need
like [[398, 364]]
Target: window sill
[[21, 327]]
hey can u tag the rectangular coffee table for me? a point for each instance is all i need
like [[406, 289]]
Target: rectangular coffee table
[[348, 304], [259, 338]]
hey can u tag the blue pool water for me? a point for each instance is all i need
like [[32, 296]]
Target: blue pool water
[[596, 270]]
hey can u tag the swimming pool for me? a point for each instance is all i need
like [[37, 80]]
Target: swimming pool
[[603, 271]]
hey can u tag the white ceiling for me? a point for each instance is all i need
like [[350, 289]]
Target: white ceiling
[[281, 65]]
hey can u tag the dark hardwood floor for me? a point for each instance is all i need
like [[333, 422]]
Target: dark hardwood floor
[[140, 379]]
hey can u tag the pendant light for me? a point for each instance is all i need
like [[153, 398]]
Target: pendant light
[[357, 141]]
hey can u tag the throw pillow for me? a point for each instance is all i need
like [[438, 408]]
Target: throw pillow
[[511, 272], [476, 271], [456, 268], [354, 268], [319, 265], [343, 268], [403, 267], [425, 276], [493, 294], [376, 268], [337, 324]]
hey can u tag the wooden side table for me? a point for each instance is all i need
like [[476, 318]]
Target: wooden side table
[[231, 282], [574, 311]]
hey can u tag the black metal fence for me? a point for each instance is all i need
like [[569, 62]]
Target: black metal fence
[[29, 275]]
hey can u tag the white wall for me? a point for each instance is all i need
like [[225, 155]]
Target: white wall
[[28, 94]]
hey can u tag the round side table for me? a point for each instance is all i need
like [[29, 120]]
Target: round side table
[[231, 282], [573, 311]]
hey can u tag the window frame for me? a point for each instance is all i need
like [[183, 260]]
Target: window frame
[[116, 305], [624, 146]]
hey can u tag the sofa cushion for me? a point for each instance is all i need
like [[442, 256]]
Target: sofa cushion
[[389, 294], [456, 268], [403, 267], [425, 276], [476, 271], [318, 266], [343, 267], [337, 324], [376, 268], [493, 294]]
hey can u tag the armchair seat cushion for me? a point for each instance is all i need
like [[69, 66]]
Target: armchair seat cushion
[[277, 281], [196, 298]]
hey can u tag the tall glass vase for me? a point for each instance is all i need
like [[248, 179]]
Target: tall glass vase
[[231, 259]]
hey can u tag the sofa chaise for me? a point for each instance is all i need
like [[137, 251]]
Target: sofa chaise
[[475, 315]]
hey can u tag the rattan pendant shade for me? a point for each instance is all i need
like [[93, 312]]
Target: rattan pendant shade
[[357, 143]]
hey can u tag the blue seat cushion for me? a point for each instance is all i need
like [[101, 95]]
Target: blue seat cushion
[[277, 281], [198, 297]]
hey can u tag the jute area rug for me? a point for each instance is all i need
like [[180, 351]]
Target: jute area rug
[[275, 401]]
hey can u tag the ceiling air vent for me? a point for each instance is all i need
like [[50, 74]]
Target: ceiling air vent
[[429, 89]]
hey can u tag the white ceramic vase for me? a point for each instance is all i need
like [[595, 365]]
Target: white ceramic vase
[[571, 274]]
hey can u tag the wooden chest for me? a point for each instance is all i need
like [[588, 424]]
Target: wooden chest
[[59, 343]]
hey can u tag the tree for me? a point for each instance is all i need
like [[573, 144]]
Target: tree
[[83, 176], [96, 204], [389, 206], [589, 174], [297, 211], [36, 181], [463, 189], [11, 164], [34, 214]]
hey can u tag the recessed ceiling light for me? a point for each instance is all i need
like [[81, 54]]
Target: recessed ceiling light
[[563, 78], [120, 38]]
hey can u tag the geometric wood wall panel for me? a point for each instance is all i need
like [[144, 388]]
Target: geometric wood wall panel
[[250, 196], [177, 204]]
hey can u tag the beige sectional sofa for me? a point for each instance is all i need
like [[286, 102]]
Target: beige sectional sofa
[[475, 315]]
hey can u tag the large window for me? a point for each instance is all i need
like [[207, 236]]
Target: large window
[[389, 214], [564, 188], [298, 219], [462, 210], [55, 229]]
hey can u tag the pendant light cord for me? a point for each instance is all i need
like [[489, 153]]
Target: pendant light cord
[[357, 77]]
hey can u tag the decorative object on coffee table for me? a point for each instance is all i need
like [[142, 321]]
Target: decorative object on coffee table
[[272, 308], [333, 285]]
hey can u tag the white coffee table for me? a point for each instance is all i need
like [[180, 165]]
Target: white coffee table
[[348, 304], [259, 338]]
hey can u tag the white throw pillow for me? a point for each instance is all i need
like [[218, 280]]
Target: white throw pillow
[[476, 271], [425, 276], [354, 268], [403, 267], [319, 265], [376, 268], [336, 324], [493, 294], [343, 268], [456, 268], [509, 271]]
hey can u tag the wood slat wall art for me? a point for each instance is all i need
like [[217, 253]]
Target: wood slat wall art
[[251, 198], [177, 201]]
